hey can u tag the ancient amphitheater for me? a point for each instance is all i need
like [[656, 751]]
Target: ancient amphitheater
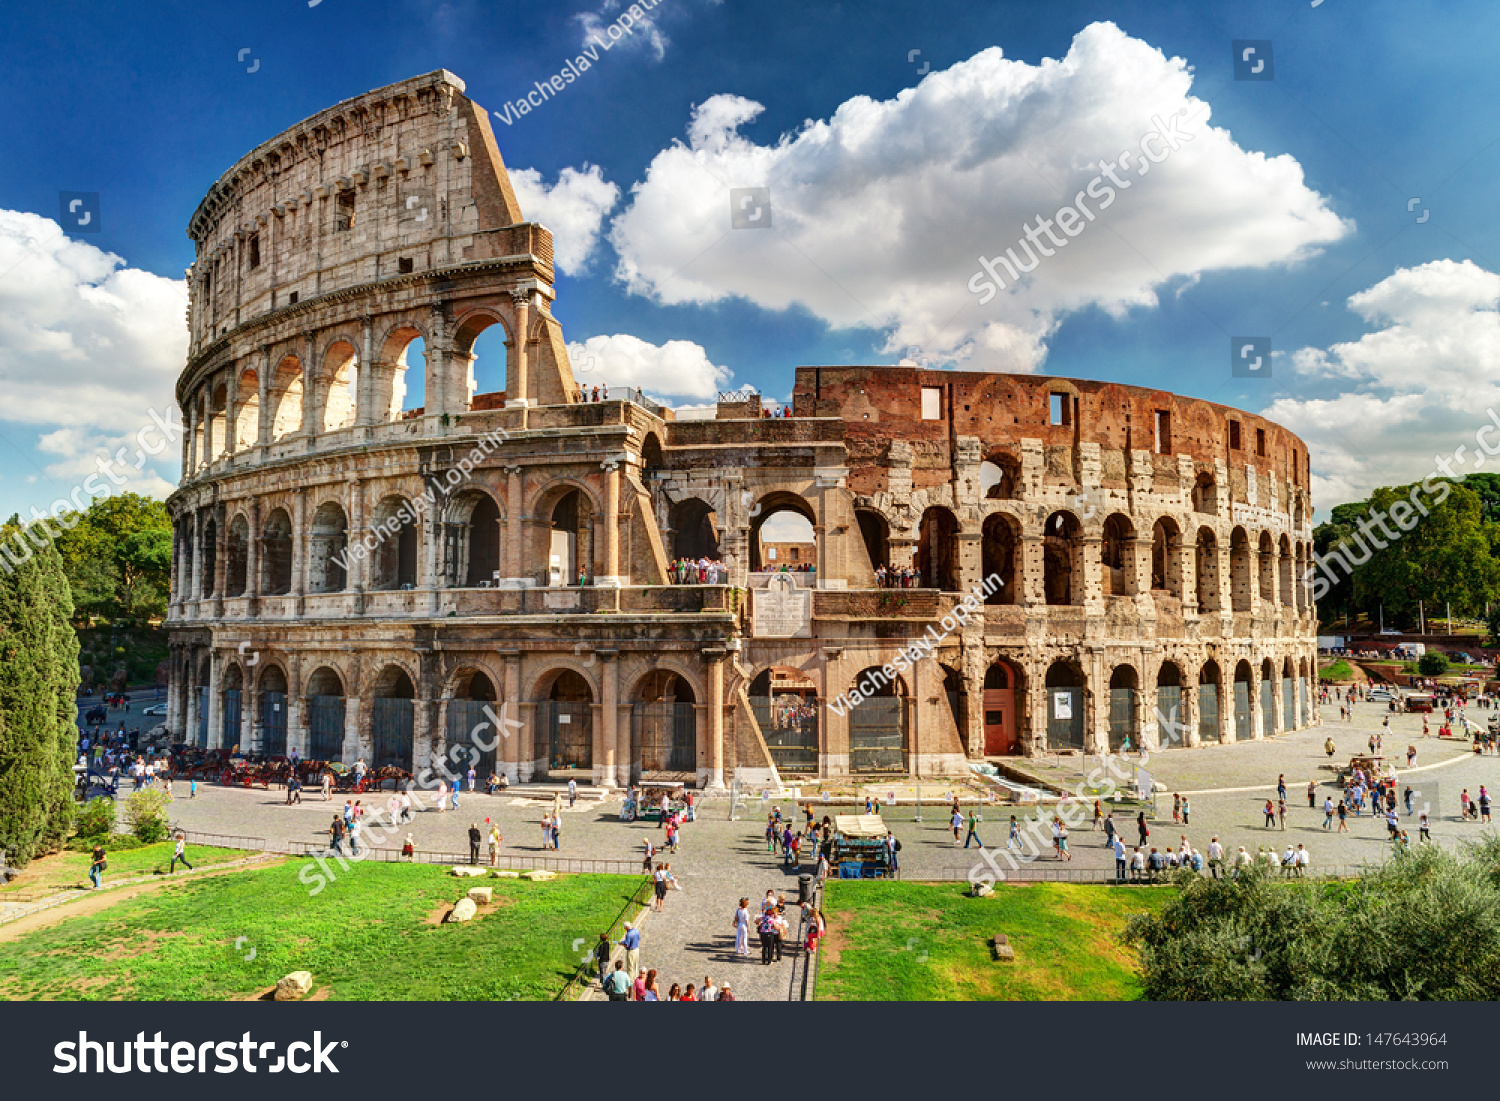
[[355, 576]]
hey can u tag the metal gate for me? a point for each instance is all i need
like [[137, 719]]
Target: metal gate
[[203, 717], [666, 737], [1122, 719], [1288, 705], [877, 735], [325, 725], [391, 730], [1064, 718], [1242, 729], [231, 727], [569, 726], [1267, 708], [789, 724], [474, 733], [1208, 713], [1170, 729], [273, 723]]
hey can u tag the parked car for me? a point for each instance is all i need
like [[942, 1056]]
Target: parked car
[[156, 710], [1380, 695], [96, 715], [1390, 631], [1463, 658]]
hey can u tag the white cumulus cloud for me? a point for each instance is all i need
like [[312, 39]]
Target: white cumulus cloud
[[573, 208], [88, 347], [1382, 409], [880, 213], [678, 368]]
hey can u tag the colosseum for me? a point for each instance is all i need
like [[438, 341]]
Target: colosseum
[[357, 575]]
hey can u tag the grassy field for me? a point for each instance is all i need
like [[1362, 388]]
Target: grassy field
[[370, 935], [68, 869], [1339, 671], [894, 941]]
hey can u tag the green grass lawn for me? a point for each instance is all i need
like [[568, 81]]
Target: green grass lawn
[[69, 869], [1338, 671], [367, 936], [895, 941]]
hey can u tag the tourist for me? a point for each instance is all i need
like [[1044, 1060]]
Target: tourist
[[741, 924], [1304, 858], [1109, 829], [675, 994], [631, 942], [1186, 811], [455, 794], [638, 988], [98, 865], [1424, 832], [726, 994], [1062, 842], [546, 831], [1176, 808], [336, 831], [708, 992], [1281, 812], [973, 834], [355, 828], [1141, 828], [474, 838], [653, 992], [690, 994], [649, 854], [409, 850], [1119, 847], [495, 841], [957, 821], [572, 792], [663, 879], [617, 986], [1270, 813], [767, 930], [892, 848], [1343, 812], [816, 927]]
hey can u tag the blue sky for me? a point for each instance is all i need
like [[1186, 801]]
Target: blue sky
[[1371, 106]]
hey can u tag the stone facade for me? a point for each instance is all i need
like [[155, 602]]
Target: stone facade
[[354, 581]]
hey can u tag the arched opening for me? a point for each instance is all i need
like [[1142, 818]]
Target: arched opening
[[877, 724], [483, 341], [247, 410], [785, 702], [664, 728], [1171, 730], [782, 534], [286, 398], [327, 565], [475, 725], [957, 698], [325, 716], [1061, 577], [1299, 578], [1267, 569], [210, 556], [1208, 702], [1002, 682], [570, 539], [231, 692], [473, 540], [937, 550], [876, 533], [276, 554], [217, 437], [1000, 542], [1240, 580], [400, 382], [1205, 495], [565, 721], [1267, 698], [1066, 703], [1244, 729], [1000, 478], [237, 548], [1122, 729], [393, 562], [273, 712], [1206, 562], [184, 538], [695, 530], [1166, 557], [338, 386], [652, 460], [1115, 555], [392, 719]]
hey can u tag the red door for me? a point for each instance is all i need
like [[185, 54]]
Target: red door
[[1000, 722]]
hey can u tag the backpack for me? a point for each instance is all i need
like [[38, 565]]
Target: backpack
[[898, 845]]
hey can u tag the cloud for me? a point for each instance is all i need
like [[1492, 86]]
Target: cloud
[[642, 31], [1380, 409], [88, 347], [880, 213], [678, 368], [573, 208]]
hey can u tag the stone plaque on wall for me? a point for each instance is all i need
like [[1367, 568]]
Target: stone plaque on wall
[[781, 609]]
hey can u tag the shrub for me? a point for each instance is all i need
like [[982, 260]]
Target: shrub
[[115, 842], [146, 813], [96, 818], [1432, 664]]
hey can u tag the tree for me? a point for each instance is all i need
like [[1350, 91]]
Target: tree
[[1432, 663], [38, 690], [118, 557]]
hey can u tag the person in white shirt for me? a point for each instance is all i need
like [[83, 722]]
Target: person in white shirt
[[1288, 861], [1215, 857], [1242, 859], [1303, 859], [708, 992]]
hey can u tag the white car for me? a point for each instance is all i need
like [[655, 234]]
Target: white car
[[156, 710], [1380, 695]]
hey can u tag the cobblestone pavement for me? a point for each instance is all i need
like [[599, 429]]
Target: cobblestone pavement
[[721, 861]]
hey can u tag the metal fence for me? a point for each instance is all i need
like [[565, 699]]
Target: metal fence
[[581, 980], [1031, 873], [574, 865]]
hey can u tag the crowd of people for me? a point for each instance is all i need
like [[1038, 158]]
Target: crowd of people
[[698, 571], [896, 577]]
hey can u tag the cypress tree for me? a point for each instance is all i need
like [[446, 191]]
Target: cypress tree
[[38, 704]]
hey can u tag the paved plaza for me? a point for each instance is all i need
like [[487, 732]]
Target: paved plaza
[[721, 860]]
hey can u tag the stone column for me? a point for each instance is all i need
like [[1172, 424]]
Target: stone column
[[190, 730], [196, 591], [221, 557], [1190, 736], [611, 573], [296, 707], [435, 395], [515, 556], [534, 741], [359, 562], [1031, 571], [515, 745], [299, 552], [215, 705], [714, 780], [263, 390], [518, 372], [364, 414], [189, 440], [310, 403], [231, 410], [252, 559], [604, 767]]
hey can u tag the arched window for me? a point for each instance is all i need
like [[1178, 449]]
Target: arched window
[[327, 566], [999, 550], [876, 533], [338, 387], [1061, 578], [1000, 478], [1207, 579], [695, 530], [286, 398], [393, 561], [1166, 557], [238, 547], [782, 534], [1240, 580], [937, 550], [1122, 721], [1115, 555], [276, 554]]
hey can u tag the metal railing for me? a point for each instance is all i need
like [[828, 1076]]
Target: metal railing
[[574, 865], [581, 980], [219, 840], [1030, 873]]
